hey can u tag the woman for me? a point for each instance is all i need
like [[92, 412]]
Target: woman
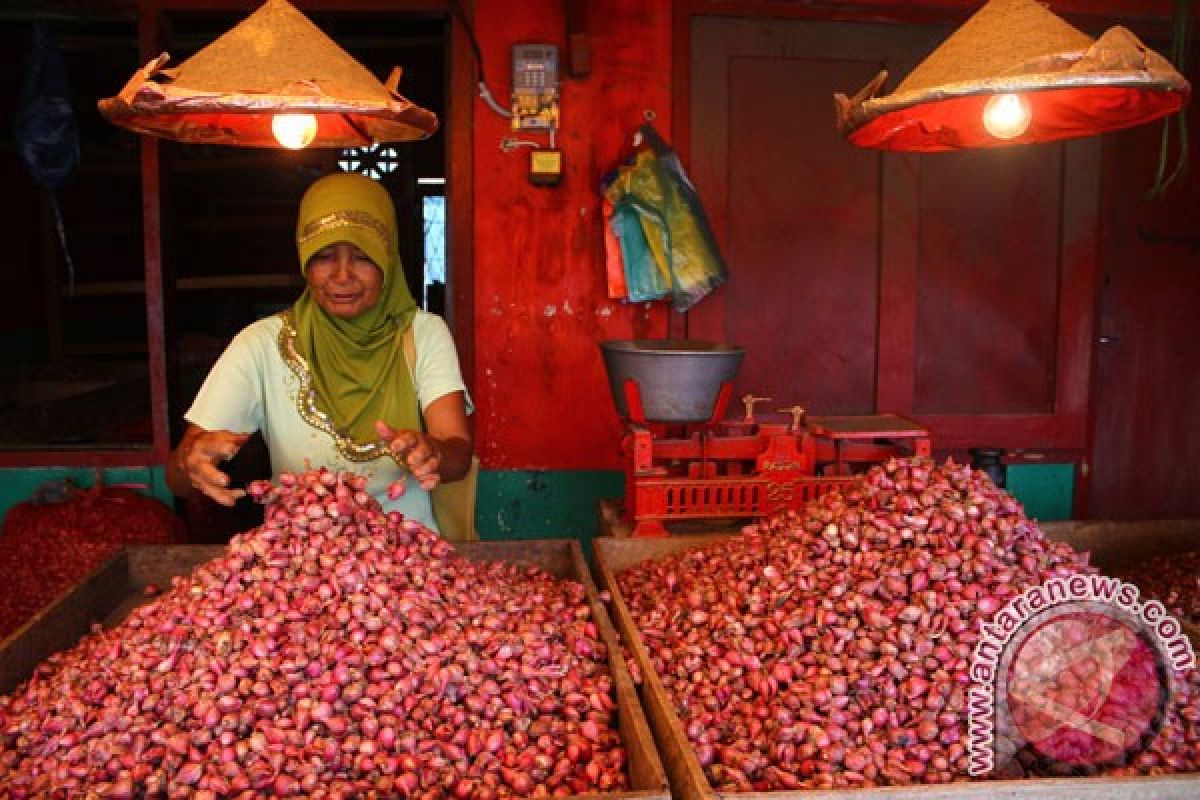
[[328, 382]]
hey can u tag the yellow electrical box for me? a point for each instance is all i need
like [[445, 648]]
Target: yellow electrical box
[[545, 167]]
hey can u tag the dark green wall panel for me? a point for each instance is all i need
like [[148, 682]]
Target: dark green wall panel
[[1044, 489], [543, 504]]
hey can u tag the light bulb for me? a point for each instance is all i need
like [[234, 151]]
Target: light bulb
[[294, 131], [1007, 116]]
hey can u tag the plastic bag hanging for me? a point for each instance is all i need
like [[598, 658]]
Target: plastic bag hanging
[[645, 274], [676, 230], [645, 277], [614, 264], [45, 130]]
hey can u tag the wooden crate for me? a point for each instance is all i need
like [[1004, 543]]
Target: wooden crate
[[688, 781], [116, 588], [1114, 545]]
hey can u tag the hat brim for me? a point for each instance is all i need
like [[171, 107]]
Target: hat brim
[[951, 119], [246, 121]]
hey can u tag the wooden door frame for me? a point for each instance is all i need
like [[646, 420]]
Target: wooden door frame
[[683, 11], [459, 159], [1066, 429], [1146, 17]]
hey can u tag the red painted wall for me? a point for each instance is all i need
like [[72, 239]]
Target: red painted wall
[[540, 298], [540, 304]]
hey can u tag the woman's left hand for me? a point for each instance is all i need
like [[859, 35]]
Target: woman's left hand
[[416, 450]]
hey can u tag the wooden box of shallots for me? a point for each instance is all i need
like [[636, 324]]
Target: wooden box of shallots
[[1110, 545], [114, 590]]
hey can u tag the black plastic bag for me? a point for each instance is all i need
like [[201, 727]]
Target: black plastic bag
[[45, 131]]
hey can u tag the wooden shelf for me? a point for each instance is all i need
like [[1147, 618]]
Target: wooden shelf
[[200, 282], [238, 224], [109, 348], [272, 160]]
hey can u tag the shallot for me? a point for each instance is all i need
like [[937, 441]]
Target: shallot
[[48, 547], [334, 652], [832, 648], [1173, 579]]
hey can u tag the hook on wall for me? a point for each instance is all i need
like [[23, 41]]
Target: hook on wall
[[648, 117]]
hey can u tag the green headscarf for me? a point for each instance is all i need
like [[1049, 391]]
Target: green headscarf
[[357, 365]]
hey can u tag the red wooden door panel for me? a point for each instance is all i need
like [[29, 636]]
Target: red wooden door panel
[[1002, 352], [802, 230], [797, 208], [987, 282], [958, 288], [1147, 389]]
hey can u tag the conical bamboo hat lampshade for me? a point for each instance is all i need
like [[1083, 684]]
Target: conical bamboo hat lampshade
[[1015, 52], [275, 62]]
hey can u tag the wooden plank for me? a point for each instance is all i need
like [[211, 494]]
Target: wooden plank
[[61, 624], [892, 326], [1115, 545], [83, 456], [111, 592], [152, 252], [256, 281], [1095, 12], [687, 778], [988, 281], [899, 263], [645, 768], [460, 198], [611, 556]]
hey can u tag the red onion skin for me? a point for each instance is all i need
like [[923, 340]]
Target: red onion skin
[[1174, 580]]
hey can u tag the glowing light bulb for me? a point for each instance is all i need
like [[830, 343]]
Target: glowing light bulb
[[294, 131], [1007, 116]]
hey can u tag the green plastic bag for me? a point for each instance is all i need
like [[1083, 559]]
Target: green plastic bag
[[645, 278]]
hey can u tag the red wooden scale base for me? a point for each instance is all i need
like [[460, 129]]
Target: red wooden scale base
[[744, 468]]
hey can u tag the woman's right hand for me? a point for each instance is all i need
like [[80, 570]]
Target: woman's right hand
[[197, 458]]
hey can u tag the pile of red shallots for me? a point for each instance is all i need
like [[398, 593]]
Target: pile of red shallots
[[1174, 580], [334, 652], [831, 648], [46, 548]]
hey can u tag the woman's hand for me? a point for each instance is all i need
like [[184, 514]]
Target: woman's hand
[[440, 453], [418, 451], [193, 465]]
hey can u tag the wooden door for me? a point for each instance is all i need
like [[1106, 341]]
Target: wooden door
[[1147, 389], [956, 288]]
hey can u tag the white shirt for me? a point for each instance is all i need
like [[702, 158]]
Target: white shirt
[[251, 388]]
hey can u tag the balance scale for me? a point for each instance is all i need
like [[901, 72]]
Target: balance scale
[[678, 467]]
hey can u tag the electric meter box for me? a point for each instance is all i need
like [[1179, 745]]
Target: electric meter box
[[535, 87]]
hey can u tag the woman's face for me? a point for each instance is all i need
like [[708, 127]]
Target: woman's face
[[343, 281]]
